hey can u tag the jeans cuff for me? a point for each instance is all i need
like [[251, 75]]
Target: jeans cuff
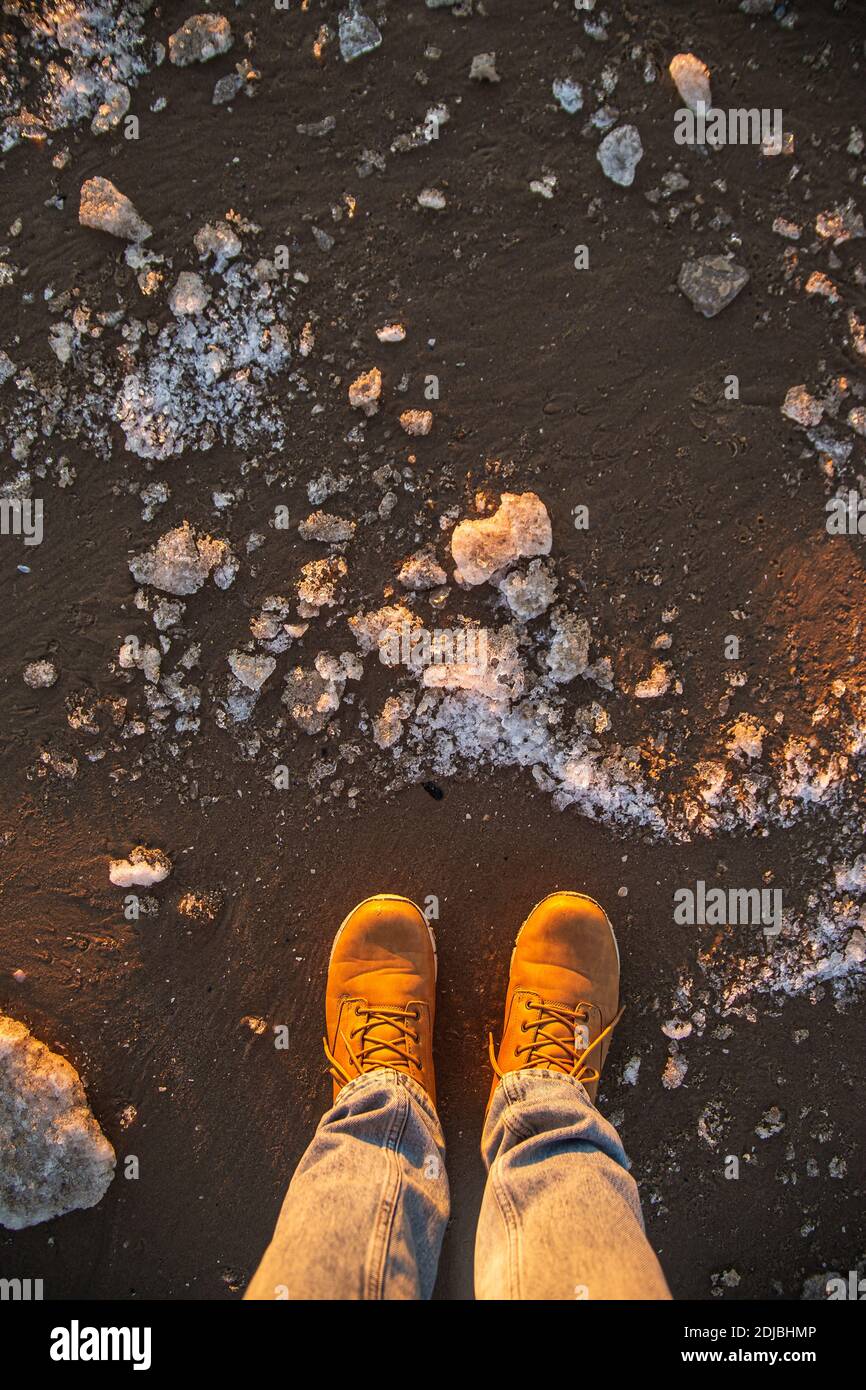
[[394, 1080]]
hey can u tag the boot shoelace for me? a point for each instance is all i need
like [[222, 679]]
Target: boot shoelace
[[372, 1051], [563, 1041]]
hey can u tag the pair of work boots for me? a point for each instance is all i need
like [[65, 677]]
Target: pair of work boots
[[561, 1005]]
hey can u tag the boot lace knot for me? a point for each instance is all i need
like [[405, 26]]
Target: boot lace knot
[[380, 1038], [559, 1042]]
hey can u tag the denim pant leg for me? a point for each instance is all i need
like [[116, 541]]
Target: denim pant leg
[[367, 1207], [561, 1216]]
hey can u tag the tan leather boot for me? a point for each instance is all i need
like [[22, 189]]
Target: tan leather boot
[[381, 993], [563, 992]]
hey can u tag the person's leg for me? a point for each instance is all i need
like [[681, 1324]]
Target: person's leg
[[367, 1207], [560, 1218]]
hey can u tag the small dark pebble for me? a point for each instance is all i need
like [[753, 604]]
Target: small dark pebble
[[436, 792]]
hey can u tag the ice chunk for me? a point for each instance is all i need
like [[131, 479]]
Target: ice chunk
[[320, 584], [251, 671], [483, 68], [479, 662], [388, 726], [746, 737], [108, 210], [417, 422], [112, 109], [142, 869], [220, 240], [54, 1157], [358, 34], [520, 527], [322, 526], [569, 649], [386, 629], [802, 407], [391, 333], [365, 391], [569, 94], [39, 674], [422, 571], [691, 78], [200, 38], [531, 594], [313, 696], [181, 561], [189, 295], [711, 283], [619, 154], [656, 683]]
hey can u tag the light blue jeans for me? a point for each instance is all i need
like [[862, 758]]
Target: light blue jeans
[[367, 1207]]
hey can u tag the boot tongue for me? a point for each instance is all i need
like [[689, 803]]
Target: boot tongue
[[386, 1044]]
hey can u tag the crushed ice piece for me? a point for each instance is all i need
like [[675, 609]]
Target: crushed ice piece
[[746, 737], [391, 333], [483, 68], [657, 683], [381, 629], [569, 94], [691, 78], [486, 664], [423, 134], [313, 696], [189, 294], [322, 526], [531, 594], [840, 224], [321, 584], [39, 675], [200, 38], [568, 656], [782, 226], [251, 671], [631, 1071], [620, 153], [142, 869], [677, 1028], [857, 329], [388, 725], [7, 367], [821, 284], [140, 656], [55, 1157], [417, 422], [111, 110], [358, 33], [851, 878], [431, 198], [422, 571], [182, 559], [108, 210], [772, 1122], [365, 391], [674, 1073], [545, 187], [203, 906], [801, 406], [243, 79], [153, 495], [711, 283], [220, 240], [519, 527]]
